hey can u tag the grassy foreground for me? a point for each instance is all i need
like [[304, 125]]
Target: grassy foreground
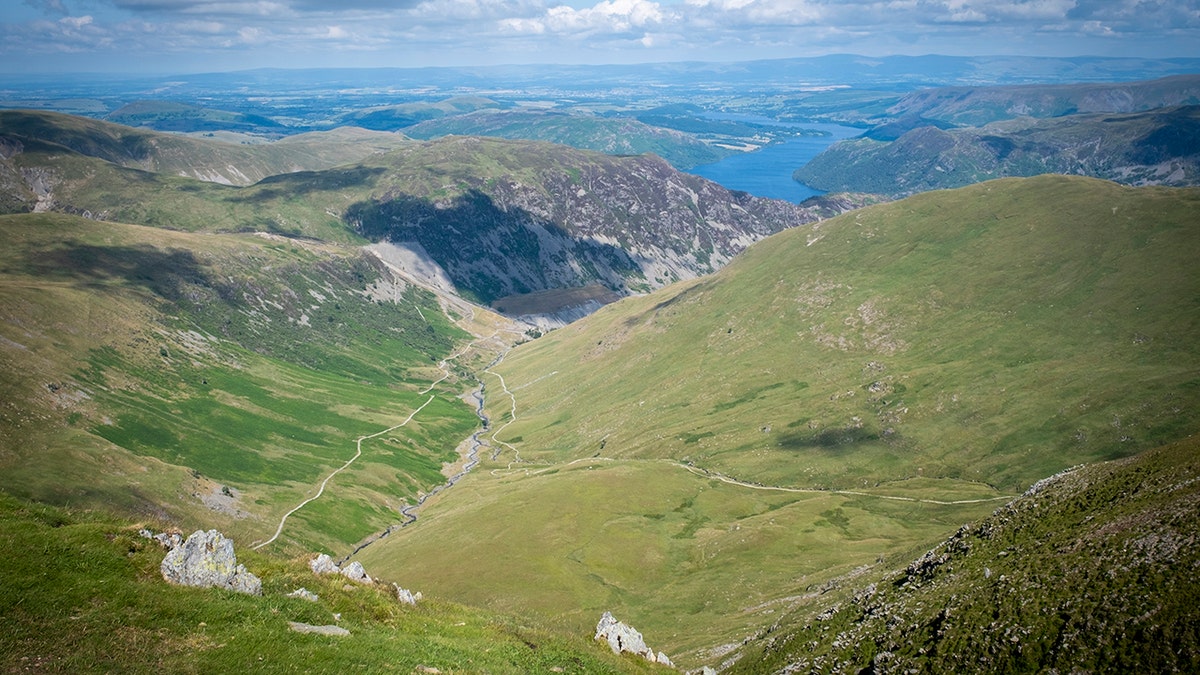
[[1094, 571], [83, 594]]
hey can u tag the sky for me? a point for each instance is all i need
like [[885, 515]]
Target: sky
[[187, 36]]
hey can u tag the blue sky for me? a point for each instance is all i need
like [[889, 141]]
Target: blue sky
[[181, 36]]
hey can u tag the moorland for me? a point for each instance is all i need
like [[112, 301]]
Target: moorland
[[514, 362]]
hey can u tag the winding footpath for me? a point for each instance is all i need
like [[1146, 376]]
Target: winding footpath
[[357, 454], [755, 486], [471, 457]]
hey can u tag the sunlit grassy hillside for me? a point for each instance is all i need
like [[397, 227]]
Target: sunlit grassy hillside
[[1094, 571], [992, 334], [828, 403], [216, 380]]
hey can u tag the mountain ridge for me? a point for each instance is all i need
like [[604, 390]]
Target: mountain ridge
[[200, 158], [1157, 147]]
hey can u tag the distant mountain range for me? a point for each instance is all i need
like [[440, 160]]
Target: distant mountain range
[[1158, 147], [1139, 133], [610, 135], [976, 106]]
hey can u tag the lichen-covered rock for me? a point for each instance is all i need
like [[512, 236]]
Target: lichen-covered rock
[[355, 572], [406, 596], [623, 638], [323, 564], [206, 559]]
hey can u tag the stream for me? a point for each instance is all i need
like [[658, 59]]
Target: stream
[[410, 511]]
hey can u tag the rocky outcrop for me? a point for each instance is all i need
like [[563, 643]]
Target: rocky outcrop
[[623, 638], [323, 564], [206, 559], [406, 596], [355, 572]]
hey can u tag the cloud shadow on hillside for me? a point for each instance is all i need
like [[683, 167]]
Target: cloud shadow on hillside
[[163, 272], [305, 182]]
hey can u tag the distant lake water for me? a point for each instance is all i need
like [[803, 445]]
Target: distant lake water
[[768, 172]]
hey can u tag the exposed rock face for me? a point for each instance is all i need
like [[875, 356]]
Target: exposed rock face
[[622, 638], [526, 217], [206, 559]]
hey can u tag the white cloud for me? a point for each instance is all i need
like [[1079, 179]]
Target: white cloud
[[75, 22], [606, 17], [302, 32]]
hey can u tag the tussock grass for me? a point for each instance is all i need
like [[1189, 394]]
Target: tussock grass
[[1094, 571], [84, 594]]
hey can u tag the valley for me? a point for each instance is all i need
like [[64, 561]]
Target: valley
[[527, 362]]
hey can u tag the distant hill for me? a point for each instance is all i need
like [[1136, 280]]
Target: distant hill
[[509, 217], [501, 217], [400, 116], [1157, 147], [186, 117], [703, 456], [976, 106], [613, 136], [173, 154], [1092, 570]]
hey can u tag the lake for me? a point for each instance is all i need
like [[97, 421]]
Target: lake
[[768, 172]]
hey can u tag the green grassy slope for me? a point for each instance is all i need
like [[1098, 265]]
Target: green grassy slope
[[83, 594], [1159, 147], [217, 379], [834, 396], [1095, 571], [200, 158], [993, 333]]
